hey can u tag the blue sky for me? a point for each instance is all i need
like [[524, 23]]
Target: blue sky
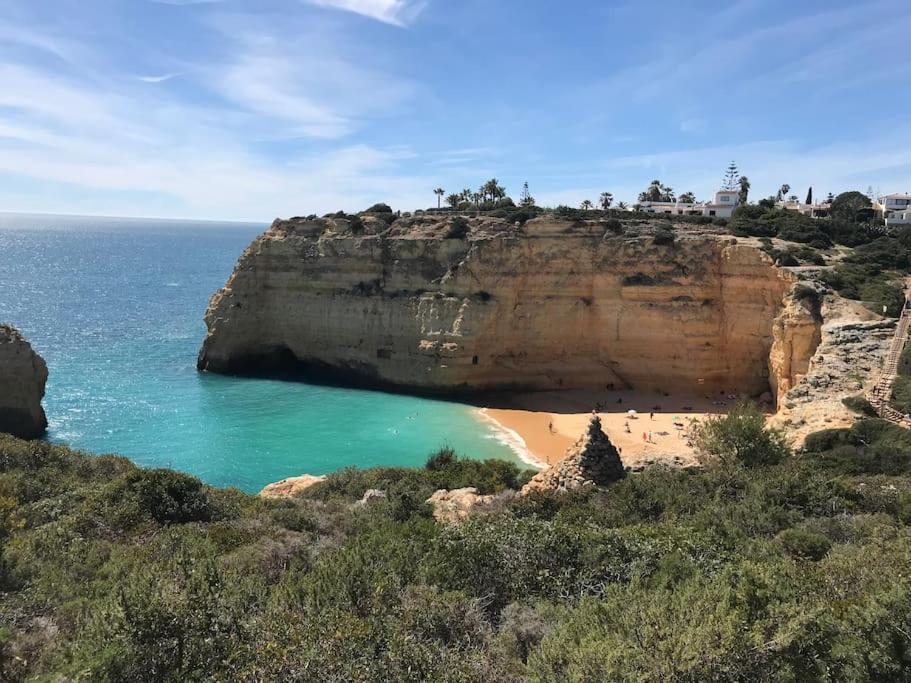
[[251, 109]]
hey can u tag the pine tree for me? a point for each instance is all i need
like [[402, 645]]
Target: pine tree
[[525, 198], [810, 195], [731, 178]]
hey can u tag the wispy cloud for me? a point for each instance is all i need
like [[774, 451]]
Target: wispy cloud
[[396, 12], [158, 79]]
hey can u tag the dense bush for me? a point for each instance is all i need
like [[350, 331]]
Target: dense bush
[[740, 438], [664, 236], [901, 389], [458, 229], [859, 404], [113, 573], [870, 446]]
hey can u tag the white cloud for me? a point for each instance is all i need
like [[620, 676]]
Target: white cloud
[[158, 79], [396, 12]]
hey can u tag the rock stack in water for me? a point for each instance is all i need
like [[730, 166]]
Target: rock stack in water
[[23, 374], [591, 461]]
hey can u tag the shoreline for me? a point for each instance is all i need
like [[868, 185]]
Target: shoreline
[[511, 438], [646, 427]]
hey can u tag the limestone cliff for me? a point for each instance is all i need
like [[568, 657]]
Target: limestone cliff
[[432, 305], [23, 375]]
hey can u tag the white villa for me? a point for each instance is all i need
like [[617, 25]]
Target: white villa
[[894, 208], [721, 207], [819, 210]]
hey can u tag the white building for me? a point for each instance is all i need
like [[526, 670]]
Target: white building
[[894, 208], [811, 210], [722, 206]]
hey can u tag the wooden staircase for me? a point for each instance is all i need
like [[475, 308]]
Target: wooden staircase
[[881, 393]]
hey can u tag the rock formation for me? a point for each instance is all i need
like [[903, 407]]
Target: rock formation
[[23, 374], [452, 507], [290, 487], [591, 461], [548, 305], [846, 362]]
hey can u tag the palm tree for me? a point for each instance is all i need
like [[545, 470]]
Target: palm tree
[[657, 192], [744, 189], [439, 192], [493, 189], [783, 192], [606, 200], [623, 206], [586, 205], [687, 198], [453, 200]]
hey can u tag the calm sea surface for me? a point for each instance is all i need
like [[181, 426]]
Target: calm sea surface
[[115, 306]]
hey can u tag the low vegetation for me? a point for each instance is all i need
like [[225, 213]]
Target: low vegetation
[[901, 389], [761, 566]]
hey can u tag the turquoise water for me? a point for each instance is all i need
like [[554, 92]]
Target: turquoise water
[[116, 306]]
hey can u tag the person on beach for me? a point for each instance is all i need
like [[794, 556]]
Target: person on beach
[[645, 437], [550, 427], [651, 416]]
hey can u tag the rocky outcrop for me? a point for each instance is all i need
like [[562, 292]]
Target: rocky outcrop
[[795, 336], [592, 461], [23, 374], [548, 305], [846, 362], [454, 506], [290, 487]]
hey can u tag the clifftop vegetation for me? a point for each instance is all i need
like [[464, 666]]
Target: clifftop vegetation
[[787, 571]]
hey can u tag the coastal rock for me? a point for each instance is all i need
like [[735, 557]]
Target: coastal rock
[[454, 506], [847, 362], [552, 304], [592, 461], [290, 487], [23, 375]]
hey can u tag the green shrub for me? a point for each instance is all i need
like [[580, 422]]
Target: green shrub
[[870, 446], [458, 229], [804, 545], [740, 438], [664, 237], [859, 404], [165, 496], [379, 208]]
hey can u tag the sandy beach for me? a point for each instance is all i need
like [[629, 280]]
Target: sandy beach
[[549, 422]]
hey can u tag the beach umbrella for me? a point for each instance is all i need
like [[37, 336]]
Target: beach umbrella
[[631, 413]]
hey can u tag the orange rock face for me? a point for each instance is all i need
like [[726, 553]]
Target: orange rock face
[[548, 305]]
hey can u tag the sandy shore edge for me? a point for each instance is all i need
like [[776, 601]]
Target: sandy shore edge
[[511, 438]]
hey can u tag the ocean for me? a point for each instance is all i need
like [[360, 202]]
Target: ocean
[[115, 307]]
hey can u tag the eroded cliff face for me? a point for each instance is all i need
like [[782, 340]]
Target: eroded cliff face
[[546, 306], [23, 374]]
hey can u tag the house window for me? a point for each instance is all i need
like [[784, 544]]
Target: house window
[[725, 198], [711, 212], [474, 360]]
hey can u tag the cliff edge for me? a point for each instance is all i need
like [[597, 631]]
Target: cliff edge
[[23, 374], [442, 304]]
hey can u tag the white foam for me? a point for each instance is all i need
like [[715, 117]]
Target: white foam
[[510, 438]]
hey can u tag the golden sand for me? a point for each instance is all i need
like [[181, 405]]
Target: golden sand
[[549, 422]]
